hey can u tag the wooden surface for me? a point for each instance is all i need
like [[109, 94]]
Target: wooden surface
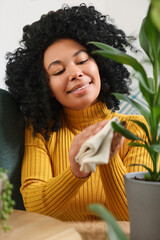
[[97, 230], [34, 226]]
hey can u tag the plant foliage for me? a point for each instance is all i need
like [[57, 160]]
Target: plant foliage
[[114, 231], [149, 38], [6, 201]]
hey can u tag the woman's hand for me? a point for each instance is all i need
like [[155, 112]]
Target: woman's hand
[[116, 144], [78, 140], [87, 133]]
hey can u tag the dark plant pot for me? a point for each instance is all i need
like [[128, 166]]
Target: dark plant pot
[[144, 207]]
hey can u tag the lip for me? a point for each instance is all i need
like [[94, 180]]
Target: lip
[[79, 87]]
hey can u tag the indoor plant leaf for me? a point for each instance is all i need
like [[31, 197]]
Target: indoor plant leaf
[[134, 104], [148, 169], [145, 145], [121, 57], [114, 231], [119, 128], [144, 41], [156, 147], [151, 33], [149, 97], [155, 13], [143, 126]]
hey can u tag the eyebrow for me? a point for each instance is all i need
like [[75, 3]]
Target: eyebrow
[[74, 55]]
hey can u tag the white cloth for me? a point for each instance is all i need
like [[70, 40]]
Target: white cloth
[[96, 150]]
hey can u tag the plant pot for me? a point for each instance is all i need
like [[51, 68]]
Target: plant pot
[[144, 207]]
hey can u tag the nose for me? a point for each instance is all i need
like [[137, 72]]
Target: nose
[[75, 75]]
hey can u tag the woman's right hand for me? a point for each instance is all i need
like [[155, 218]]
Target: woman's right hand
[[78, 140]]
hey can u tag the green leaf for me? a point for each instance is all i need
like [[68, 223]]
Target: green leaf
[[121, 57], [114, 230], [151, 32], [142, 165], [150, 81], [149, 97], [119, 128], [145, 145], [156, 117], [155, 13], [144, 41], [135, 105], [143, 126], [159, 133], [148, 177], [135, 144], [155, 147]]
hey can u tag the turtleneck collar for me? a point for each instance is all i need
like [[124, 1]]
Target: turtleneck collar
[[80, 119]]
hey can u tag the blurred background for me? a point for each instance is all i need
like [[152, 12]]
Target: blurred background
[[14, 14]]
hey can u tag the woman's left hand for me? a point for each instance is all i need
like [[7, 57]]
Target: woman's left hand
[[116, 144]]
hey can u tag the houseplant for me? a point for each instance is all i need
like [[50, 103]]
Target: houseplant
[[114, 232], [144, 219], [6, 202]]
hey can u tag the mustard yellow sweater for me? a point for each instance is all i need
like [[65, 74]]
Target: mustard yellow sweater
[[48, 184]]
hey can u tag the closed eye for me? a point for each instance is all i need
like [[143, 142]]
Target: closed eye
[[82, 62], [58, 73]]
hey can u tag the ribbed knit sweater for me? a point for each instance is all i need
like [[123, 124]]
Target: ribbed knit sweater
[[48, 184]]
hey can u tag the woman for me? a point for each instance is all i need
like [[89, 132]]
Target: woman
[[65, 94]]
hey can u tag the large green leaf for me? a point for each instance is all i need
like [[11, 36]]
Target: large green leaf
[[159, 132], [145, 145], [147, 95], [114, 230], [144, 41], [122, 130], [155, 13], [121, 57], [142, 110], [158, 93], [148, 169], [150, 81], [155, 121], [143, 126], [155, 147], [151, 33]]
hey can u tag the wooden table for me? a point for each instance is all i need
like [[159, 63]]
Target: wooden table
[[97, 230], [34, 226]]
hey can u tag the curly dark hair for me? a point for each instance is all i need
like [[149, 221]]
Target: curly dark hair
[[25, 74]]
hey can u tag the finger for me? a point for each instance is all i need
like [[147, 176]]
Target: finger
[[91, 131], [94, 128]]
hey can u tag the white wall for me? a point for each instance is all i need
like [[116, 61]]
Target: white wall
[[14, 14]]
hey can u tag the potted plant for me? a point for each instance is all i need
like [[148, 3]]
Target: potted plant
[[6, 202], [143, 196]]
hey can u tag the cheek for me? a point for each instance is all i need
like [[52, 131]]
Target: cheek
[[96, 75], [56, 88], [54, 85], [94, 69]]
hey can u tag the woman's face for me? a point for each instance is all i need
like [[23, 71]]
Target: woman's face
[[74, 77]]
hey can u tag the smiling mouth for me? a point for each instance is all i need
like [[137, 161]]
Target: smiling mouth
[[80, 88]]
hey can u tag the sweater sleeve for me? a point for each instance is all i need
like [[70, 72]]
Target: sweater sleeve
[[41, 191], [112, 174]]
